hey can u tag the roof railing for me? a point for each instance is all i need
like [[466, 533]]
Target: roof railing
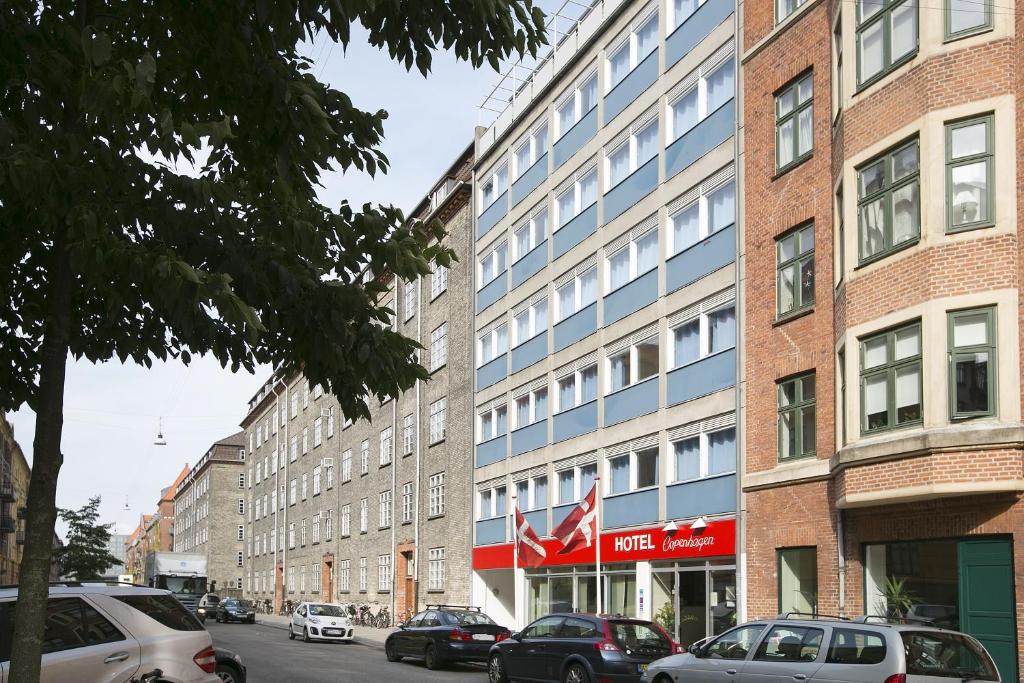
[[465, 607], [810, 615]]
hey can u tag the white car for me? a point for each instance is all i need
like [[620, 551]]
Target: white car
[[113, 633], [320, 621]]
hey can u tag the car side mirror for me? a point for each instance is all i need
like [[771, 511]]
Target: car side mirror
[[403, 625], [697, 649], [515, 636]]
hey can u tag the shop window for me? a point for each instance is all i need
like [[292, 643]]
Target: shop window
[[969, 174], [972, 354], [633, 471], [795, 270], [967, 17], [794, 123], [917, 579], [796, 417], [890, 379], [798, 580], [790, 644], [621, 594], [889, 202], [887, 37]]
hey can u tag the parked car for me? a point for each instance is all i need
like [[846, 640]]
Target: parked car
[[229, 666], [445, 633], [114, 633], [866, 650], [321, 621], [207, 605], [579, 648], [235, 609]]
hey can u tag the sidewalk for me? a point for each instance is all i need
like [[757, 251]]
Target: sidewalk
[[364, 635]]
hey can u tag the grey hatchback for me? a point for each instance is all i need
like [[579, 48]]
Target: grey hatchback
[[784, 650]]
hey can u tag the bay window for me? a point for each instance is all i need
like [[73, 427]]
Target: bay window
[[967, 17], [704, 454], [577, 387], [574, 483], [639, 146], [889, 201], [890, 379], [703, 335], [492, 423], [626, 55], [633, 364], [698, 97], [532, 493], [577, 291], [492, 185], [577, 196], [531, 148], [530, 320], [530, 234], [493, 263], [701, 213], [492, 343], [972, 362], [531, 407], [576, 103], [636, 257], [637, 469], [886, 36]]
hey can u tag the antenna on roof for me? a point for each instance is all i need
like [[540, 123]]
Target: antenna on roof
[[160, 440]]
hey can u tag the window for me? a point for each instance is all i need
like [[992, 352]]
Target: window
[[241, 506], [387, 445], [364, 457], [705, 454], [493, 343], [627, 55], [317, 476], [345, 576], [438, 418], [794, 122], [632, 471], [362, 574], [364, 514], [889, 201], [346, 465], [435, 494], [295, 404], [407, 502], [714, 86], [435, 569], [438, 280], [532, 494], [837, 65], [530, 234], [972, 354], [890, 379], [302, 532], [295, 448], [530, 321], [241, 532], [492, 423], [316, 580], [577, 388], [969, 174], [305, 440], [575, 293], [681, 10], [790, 644], [886, 36], [328, 518], [967, 17], [530, 149], [165, 609], [439, 347], [783, 8], [305, 394], [577, 196], [493, 263], [291, 535], [318, 432], [850, 646], [316, 528], [637, 257], [346, 520], [492, 185], [384, 511], [330, 473], [639, 147], [632, 365], [840, 238], [531, 407], [492, 503], [713, 209], [798, 580], [795, 275], [241, 480], [410, 299], [576, 103], [383, 573], [407, 434], [305, 485], [796, 417]]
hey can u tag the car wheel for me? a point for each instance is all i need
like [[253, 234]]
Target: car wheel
[[430, 658], [576, 673], [305, 635], [389, 652], [291, 632], [228, 674], [496, 670]]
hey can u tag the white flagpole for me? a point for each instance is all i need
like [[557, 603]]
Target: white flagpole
[[597, 541], [515, 563]]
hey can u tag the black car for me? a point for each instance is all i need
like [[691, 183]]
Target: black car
[[233, 609], [445, 633], [229, 666], [579, 648]]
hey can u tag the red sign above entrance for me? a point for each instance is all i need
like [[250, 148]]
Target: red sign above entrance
[[716, 539]]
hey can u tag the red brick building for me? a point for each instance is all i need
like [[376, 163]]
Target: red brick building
[[882, 155]]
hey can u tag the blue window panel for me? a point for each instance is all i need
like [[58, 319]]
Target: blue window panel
[[702, 497], [530, 351], [560, 512], [575, 231], [491, 451], [579, 420], [631, 87], [490, 531], [492, 291], [701, 259], [630, 508], [492, 373], [701, 378], [528, 182], [530, 265], [631, 402], [530, 438], [631, 296], [701, 139], [579, 325], [492, 214], [638, 185], [538, 519], [695, 29], [575, 138]]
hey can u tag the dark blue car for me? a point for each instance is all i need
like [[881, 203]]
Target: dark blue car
[[445, 633]]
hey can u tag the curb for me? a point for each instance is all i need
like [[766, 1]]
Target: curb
[[357, 640]]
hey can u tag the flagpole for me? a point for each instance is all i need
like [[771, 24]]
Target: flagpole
[[515, 563], [597, 542]]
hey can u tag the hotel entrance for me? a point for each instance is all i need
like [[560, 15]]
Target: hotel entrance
[[694, 600]]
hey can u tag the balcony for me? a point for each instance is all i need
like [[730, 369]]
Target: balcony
[[574, 138], [702, 377], [718, 127], [631, 87], [530, 264], [711, 496], [631, 190], [492, 291], [701, 259], [528, 181], [579, 325], [631, 297], [492, 372], [628, 509], [491, 451], [7, 492], [696, 28], [530, 438], [491, 215], [530, 351], [575, 231], [573, 422], [7, 525], [633, 401], [489, 531]]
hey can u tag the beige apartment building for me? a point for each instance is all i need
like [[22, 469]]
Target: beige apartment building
[[14, 477]]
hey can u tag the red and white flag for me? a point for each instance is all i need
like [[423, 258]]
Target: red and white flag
[[531, 553], [579, 528]]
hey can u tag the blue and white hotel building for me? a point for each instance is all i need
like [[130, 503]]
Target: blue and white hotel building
[[605, 317]]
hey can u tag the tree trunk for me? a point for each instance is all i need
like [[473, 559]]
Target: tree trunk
[[33, 583]]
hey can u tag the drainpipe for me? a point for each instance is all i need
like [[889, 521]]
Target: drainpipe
[[283, 537], [394, 492], [741, 517], [841, 554], [418, 434]]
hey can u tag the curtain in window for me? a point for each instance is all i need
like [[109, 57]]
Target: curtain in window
[[872, 219], [619, 64], [904, 30], [523, 495], [588, 287], [619, 268], [540, 493], [906, 208], [682, 9], [567, 116], [486, 426], [722, 327], [566, 393], [566, 207], [588, 190], [720, 85], [487, 269], [620, 371], [687, 454], [502, 422], [618, 165], [523, 241], [722, 207], [588, 384], [540, 404], [567, 300], [565, 486], [502, 340], [523, 411], [486, 353], [523, 157], [686, 227], [540, 316], [502, 183], [588, 474], [647, 38], [908, 394], [620, 474], [876, 388], [687, 343], [646, 144], [647, 252], [871, 47], [806, 140], [523, 326], [684, 113], [499, 502], [540, 227], [588, 94], [722, 451]]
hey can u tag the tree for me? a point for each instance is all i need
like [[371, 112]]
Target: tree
[[158, 175], [84, 555]]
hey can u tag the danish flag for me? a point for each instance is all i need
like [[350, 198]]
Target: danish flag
[[579, 528], [531, 552]]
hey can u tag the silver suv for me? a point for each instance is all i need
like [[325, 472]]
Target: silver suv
[[864, 650], [114, 633]]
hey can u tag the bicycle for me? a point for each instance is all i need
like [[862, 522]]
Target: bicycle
[[383, 618]]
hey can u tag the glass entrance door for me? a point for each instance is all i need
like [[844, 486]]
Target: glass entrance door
[[692, 604], [692, 601]]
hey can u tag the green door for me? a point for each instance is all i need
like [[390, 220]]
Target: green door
[[986, 600]]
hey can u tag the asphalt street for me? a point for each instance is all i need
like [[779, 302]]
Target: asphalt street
[[270, 657]]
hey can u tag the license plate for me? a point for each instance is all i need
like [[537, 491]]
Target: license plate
[[482, 636], [641, 668], [332, 632]]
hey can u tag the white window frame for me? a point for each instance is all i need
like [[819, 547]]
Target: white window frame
[[438, 280], [491, 339], [491, 504], [409, 299], [577, 202], [703, 107], [497, 177], [493, 411], [436, 492], [703, 436], [408, 434], [435, 569], [438, 420], [317, 475], [531, 398], [534, 236], [577, 103], [362, 574], [330, 422], [305, 440], [384, 510], [387, 445], [492, 253], [577, 284], [364, 515], [439, 347], [535, 146], [634, 271], [704, 342], [535, 323], [346, 520], [531, 503], [634, 55], [315, 526], [345, 576], [384, 573], [364, 457], [703, 203], [293, 491], [305, 485], [318, 432], [346, 465], [634, 364], [634, 469], [632, 150], [407, 502], [674, 20], [577, 378]]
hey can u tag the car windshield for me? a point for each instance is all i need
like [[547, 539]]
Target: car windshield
[[468, 618], [326, 611], [212, 599], [947, 655], [182, 585], [243, 604], [636, 635]]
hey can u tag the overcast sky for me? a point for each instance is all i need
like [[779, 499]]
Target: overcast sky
[[112, 410]]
